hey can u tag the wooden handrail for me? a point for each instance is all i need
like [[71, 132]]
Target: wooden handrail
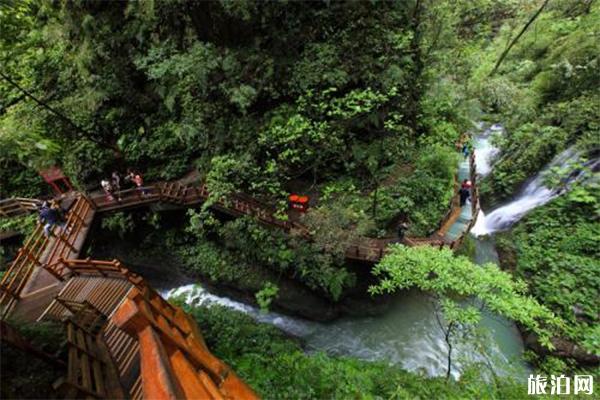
[[146, 318], [18, 273], [18, 206]]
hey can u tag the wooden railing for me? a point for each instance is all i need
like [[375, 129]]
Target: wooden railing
[[129, 198], [18, 206], [84, 313], [30, 255], [170, 342], [66, 268], [90, 372], [76, 221], [17, 275]]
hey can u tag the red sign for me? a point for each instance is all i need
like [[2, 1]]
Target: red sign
[[298, 202]]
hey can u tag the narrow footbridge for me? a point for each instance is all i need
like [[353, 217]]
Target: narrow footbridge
[[124, 340]]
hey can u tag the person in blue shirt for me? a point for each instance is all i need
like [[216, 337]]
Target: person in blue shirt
[[466, 150], [50, 217]]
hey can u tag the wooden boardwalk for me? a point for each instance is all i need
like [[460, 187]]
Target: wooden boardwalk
[[189, 192]]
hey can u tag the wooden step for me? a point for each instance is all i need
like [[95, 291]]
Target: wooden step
[[124, 350], [103, 293]]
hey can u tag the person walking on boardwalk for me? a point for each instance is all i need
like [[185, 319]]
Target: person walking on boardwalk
[[62, 213], [108, 189], [465, 149], [402, 227], [116, 184], [49, 217], [466, 184], [464, 194], [138, 180]]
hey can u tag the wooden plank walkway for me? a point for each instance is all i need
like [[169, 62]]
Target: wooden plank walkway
[[189, 192], [28, 283]]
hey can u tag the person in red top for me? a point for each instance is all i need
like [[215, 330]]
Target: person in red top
[[137, 180], [466, 184]]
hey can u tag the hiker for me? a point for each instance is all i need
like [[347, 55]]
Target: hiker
[[402, 227], [464, 196], [465, 149], [116, 184], [466, 184], [138, 180], [61, 212], [108, 189], [49, 217]]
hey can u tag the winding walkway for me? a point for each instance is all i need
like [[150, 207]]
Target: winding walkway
[[123, 339], [190, 192]]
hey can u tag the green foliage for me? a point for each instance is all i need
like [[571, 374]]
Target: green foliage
[[221, 180], [425, 194], [23, 224], [524, 153], [265, 296], [245, 244], [208, 259], [448, 276], [119, 223], [546, 91]]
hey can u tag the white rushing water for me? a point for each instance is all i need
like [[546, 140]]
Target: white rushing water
[[534, 194], [485, 151]]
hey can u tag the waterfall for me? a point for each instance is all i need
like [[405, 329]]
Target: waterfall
[[535, 193], [485, 151]]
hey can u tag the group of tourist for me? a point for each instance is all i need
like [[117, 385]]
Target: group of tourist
[[112, 186], [466, 149], [51, 214]]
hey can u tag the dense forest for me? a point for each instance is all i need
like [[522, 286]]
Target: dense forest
[[365, 107]]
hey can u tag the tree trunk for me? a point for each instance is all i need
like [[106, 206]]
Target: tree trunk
[[447, 337], [514, 41], [417, 58]]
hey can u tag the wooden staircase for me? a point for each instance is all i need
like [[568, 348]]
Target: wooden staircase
[[99, 303]]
